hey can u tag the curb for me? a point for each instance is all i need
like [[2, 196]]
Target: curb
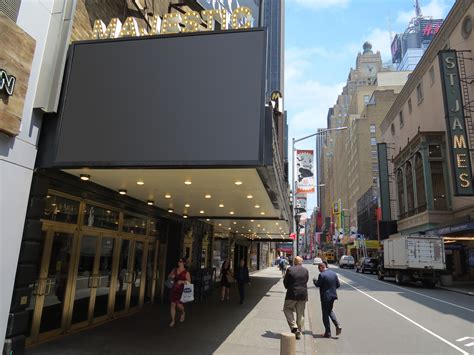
[[457, 291], [309, 343]]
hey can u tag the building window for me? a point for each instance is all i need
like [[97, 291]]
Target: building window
[[410, 192], [434, 151], [375, 167], [373, 128], [401, 198], [366, 99], [400, 118], [419, 92], [420, 184], [432, 76], [410, 108], [439, 189], [392, 129], [373, 141], [374, 154]]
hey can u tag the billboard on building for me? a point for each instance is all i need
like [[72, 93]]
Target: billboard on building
[[429, 28], [304, 171], [396, 49]]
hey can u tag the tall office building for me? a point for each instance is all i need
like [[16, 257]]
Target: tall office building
[[273, 19]]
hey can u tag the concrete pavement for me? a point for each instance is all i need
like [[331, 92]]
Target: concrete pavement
[[211, 327]]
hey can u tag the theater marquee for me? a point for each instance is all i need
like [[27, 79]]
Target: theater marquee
[[456, 124]]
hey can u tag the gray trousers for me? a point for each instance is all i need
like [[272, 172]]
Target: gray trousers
[[289, 308]]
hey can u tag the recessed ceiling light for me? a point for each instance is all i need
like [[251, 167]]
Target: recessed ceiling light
[[201, 211], [262, 213], [221, 205], [229, 228], [108, 211], [140, 182], [185, 216], [188, 182], [170, 210], [207, 196], [257, 206], [167, 196], [48, 196], [122, 192], [243, 227], [187, 205], [249, 196], [231, 212], [276, 223], [258, 225], [220, 224], [150, 202], [250, 230], [238, 182], [252, 220], [264, 229], [207, 219], [84, 177], [281, 228], [235, 222]]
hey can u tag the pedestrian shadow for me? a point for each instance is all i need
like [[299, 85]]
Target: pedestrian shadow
[[271, 335], [319, 336]]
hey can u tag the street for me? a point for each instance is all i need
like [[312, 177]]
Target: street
[[379, 317]]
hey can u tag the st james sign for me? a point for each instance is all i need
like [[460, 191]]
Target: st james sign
[[456, 124]]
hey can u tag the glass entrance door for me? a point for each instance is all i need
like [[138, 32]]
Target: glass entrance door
[[137, 281], [102, 283], [124, 275], [51, 290]]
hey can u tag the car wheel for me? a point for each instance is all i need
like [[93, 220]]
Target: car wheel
[[380, 275]]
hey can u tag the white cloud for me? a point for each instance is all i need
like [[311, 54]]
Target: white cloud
[[380, 40], [436, 9], [320, 4]]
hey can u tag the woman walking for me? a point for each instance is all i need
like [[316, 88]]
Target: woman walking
[[180, 277], [226, 278]]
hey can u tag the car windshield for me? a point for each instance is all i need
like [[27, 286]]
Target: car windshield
[[348, 258]]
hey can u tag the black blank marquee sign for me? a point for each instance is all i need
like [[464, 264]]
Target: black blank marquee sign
[[192, 100]]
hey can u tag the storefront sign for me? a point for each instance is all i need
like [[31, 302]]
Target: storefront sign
[[15, 66], [7, 82], [174, 22], [456, 124]]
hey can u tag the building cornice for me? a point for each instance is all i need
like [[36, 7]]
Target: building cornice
[[452, 20]]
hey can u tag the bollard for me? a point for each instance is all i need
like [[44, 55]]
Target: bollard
[[288, 344]]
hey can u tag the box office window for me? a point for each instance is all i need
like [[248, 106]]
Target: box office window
[[61, 209], [95, 216], [134, 224]]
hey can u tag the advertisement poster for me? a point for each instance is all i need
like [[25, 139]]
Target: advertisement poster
[[304, 171]]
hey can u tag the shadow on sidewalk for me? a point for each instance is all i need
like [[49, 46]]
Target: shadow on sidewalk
[[208, 324]]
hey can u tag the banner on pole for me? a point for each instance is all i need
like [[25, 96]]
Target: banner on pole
[[304, 171]]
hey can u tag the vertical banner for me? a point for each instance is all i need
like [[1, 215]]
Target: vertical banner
[[456, 124], [300, 204], [304, 171]]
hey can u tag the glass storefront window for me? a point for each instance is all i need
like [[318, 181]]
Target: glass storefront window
[[61, 209], [134, 225], [99, 217], [153, 228]]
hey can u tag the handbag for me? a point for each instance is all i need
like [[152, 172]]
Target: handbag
[[169, 283], [188, 293]]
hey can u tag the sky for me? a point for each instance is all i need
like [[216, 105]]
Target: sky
[[322, 39]]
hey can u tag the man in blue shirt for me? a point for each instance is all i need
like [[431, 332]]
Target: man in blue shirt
[[328, 282]]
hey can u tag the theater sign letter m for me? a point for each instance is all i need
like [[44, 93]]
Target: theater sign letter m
[[456, 124]]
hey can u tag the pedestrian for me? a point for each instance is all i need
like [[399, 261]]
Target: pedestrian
[[242, 278], [283, 265], [226, 279], [180, 276], [328, 282], [295, 281]]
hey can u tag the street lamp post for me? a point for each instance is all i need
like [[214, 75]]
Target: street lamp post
[[293, 184]]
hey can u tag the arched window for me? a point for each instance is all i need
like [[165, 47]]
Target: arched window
[[410, 192], [401, 194], [420, 184]]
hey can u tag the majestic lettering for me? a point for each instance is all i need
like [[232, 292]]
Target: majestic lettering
[[459, 142], [174, 23], [7, 82]]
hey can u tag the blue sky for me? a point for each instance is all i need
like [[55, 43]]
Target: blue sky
[[322, 39]]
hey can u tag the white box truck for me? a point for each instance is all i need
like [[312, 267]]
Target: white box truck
[[411, 258]]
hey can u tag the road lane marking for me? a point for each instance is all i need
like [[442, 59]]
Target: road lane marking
[[470, 344], [408, 319], [463, 339], [404, 289]]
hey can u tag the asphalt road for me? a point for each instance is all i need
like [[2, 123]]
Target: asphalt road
[[380, 317]]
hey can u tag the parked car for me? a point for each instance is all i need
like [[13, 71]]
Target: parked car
[[346, 261], [367, 264], [317, 261]]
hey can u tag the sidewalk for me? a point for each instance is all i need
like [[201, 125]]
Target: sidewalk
[[211, 327], [464, 287]]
